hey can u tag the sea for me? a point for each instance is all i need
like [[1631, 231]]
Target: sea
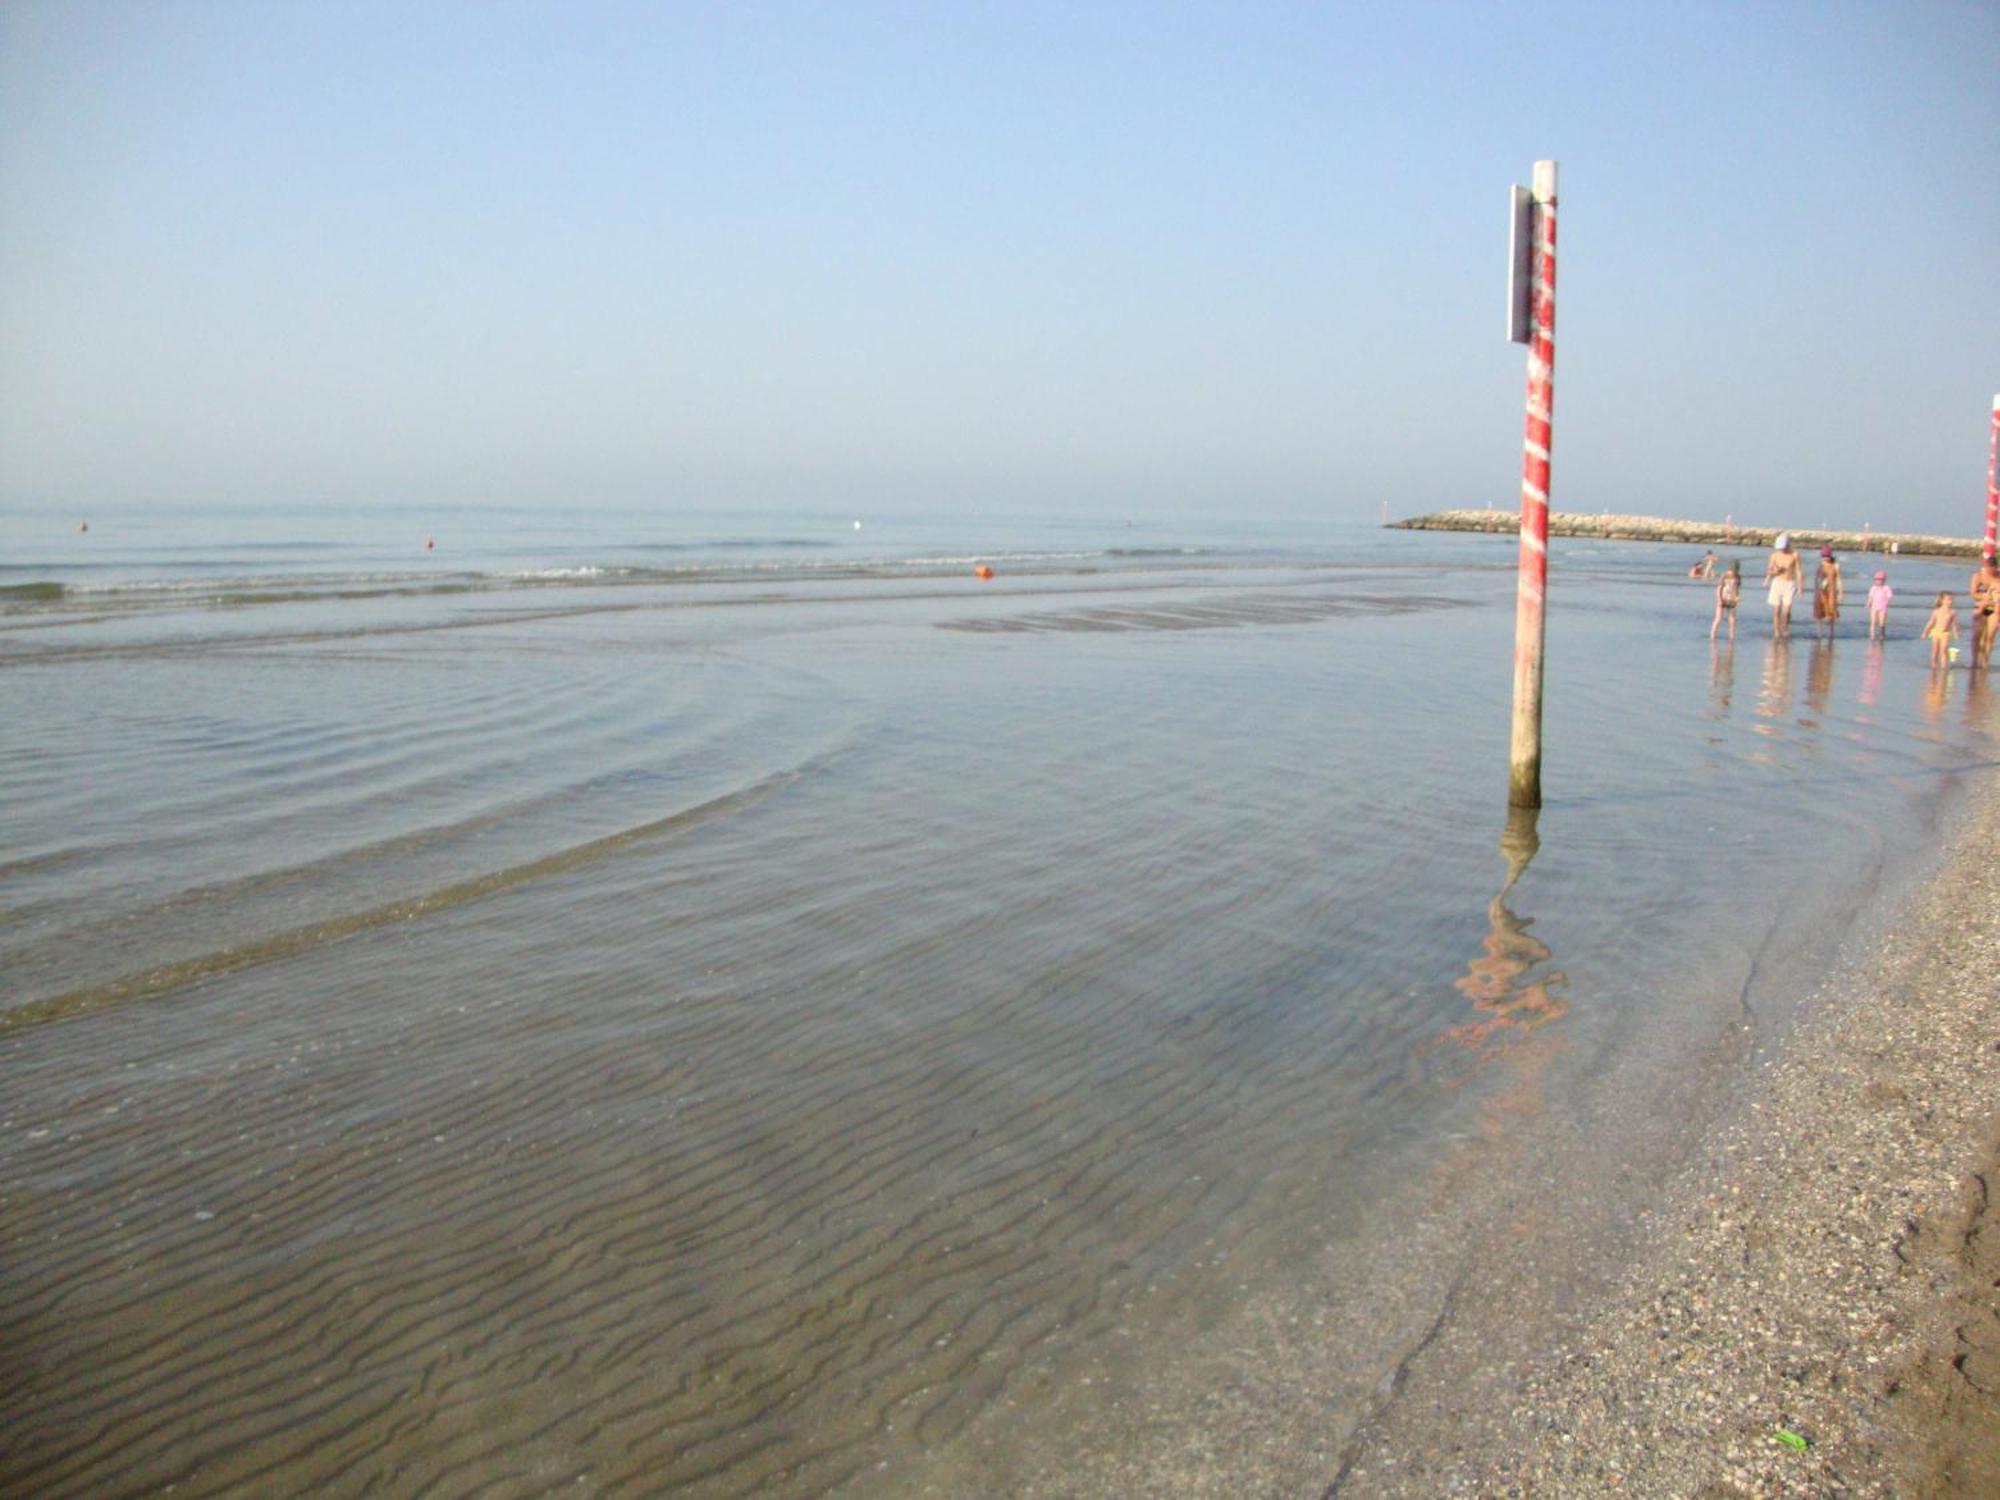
[[500, 1002]]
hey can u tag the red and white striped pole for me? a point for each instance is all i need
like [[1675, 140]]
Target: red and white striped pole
[[1993, 484], [1530, 616]]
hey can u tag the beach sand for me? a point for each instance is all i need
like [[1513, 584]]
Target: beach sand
[[1823, 1265]]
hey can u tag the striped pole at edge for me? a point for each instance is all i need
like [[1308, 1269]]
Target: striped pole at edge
[[1993, 483], [1524, 787]]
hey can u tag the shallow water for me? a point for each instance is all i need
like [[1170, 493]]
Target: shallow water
[[775, 1027]]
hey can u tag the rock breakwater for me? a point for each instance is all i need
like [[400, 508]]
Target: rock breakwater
[[1613, 528]]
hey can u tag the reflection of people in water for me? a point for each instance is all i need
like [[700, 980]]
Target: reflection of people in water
[[1871, 674], [1819, 676], [1934, 695], [1978, 700], [1774, 696], [1721, 678]]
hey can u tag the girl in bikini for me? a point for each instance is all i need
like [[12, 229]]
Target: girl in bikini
[[1727, 593], [1941, 629]]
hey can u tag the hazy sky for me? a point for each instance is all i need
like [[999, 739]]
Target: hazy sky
[[1163, 259]]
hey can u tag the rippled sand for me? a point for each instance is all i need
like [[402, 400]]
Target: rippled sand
[[900, 1041]]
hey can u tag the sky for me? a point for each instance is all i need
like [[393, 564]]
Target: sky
[[1184, 260]]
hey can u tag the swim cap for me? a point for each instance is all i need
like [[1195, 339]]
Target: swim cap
[[1784, 540]]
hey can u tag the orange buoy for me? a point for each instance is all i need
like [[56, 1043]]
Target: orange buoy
[[982, 571]]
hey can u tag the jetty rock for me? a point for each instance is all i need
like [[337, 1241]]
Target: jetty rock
[[1611, 528]]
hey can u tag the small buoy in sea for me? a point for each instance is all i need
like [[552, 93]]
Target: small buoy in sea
[[982, 571], [430, 544], [83, 526], [857, 525]]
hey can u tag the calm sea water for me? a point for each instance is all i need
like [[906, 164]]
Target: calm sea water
[[742, 1006]]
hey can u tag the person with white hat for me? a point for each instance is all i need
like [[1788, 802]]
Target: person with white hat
[[1783, 572]]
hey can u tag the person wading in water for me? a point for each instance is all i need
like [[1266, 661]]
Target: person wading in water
[[1786, 577], [1985, 591], [1828, 591]]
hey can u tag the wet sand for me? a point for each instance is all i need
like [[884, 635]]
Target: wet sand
[[1819, 1260], [1824, 1266], [1009, 1044]]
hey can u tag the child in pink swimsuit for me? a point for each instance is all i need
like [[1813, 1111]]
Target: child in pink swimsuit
[[1878, 608]]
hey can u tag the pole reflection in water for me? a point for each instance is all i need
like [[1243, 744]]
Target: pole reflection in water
[[1514, 993]]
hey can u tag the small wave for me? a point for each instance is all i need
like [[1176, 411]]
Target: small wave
[[694, 565], [66, 565], [999, 556], [732, 544], [250, 583], [235, 547]]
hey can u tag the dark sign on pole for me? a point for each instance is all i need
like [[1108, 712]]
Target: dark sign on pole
[[1520, 264]]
